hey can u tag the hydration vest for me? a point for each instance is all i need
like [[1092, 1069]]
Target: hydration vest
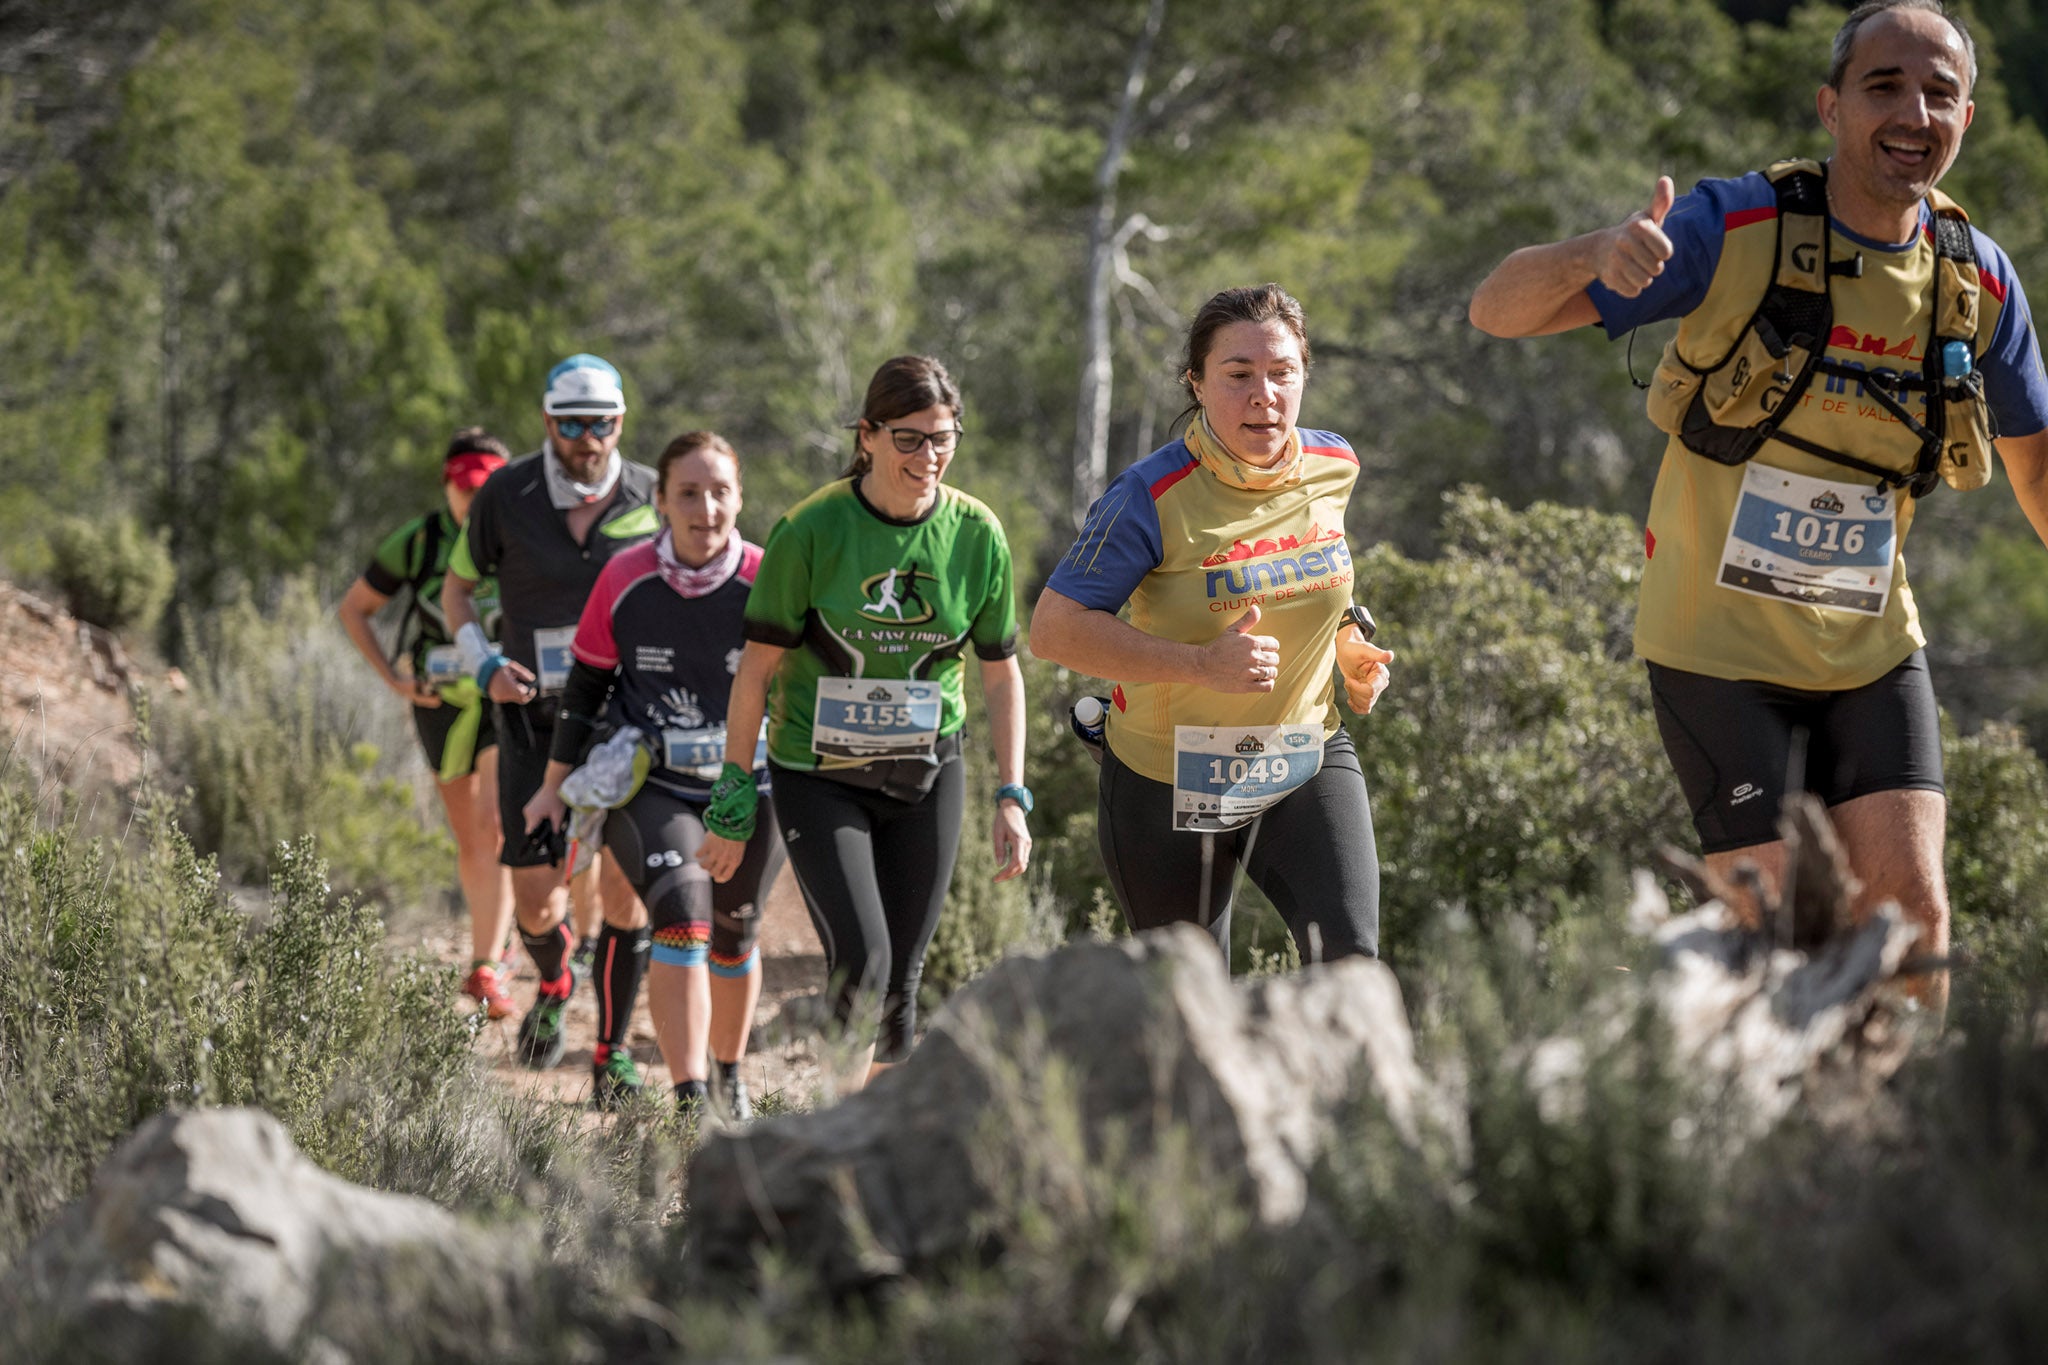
[[1728, 409]]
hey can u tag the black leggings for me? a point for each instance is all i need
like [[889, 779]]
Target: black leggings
[[1312, 854], [874, 870], [655, 838]]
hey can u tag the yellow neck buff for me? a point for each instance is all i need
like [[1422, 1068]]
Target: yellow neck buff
[[1208, 447]]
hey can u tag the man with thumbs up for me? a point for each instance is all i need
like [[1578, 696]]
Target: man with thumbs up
[[1223, 745], [1847, 342]]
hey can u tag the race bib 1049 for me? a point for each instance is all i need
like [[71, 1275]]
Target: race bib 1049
[[1817, 542], [1224, 777], [876, 718]]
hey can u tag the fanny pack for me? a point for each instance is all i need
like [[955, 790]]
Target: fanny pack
[[906, 779]]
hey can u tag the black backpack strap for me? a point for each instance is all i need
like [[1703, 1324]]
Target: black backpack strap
[[422, 553]]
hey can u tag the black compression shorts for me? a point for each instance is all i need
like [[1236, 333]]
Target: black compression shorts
[[1313, 854], [1739, 746], [432, 724], [655, 838], [874, 869]]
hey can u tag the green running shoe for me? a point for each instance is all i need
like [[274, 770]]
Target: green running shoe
[[542, 1037], [615, 1080]]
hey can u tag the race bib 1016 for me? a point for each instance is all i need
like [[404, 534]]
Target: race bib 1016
[[876, 718], [1817, 542], [1224, 777]]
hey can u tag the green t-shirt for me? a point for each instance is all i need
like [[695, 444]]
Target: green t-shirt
[[415, 557], [852, 593]]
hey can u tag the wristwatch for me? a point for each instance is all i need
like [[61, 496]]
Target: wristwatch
[[1014, 791], [1357, 615]]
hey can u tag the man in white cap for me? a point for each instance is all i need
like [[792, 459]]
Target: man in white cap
[[545, 526]]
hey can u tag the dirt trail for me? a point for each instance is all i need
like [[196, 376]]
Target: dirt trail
[[66, 720], [777, 1063]]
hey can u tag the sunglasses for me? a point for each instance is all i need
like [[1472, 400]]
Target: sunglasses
[[572, 428], [909, 439]]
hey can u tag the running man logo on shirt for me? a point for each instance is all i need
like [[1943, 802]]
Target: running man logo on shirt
[[894, 596]]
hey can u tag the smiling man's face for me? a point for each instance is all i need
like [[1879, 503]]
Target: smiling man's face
[[1898, 116]]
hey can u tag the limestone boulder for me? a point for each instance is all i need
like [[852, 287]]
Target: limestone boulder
[[1114, 1048], [212, 1225]]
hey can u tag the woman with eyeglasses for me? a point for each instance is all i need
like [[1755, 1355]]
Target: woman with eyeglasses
[[868, 596]]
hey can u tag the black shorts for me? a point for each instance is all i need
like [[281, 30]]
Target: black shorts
[[1738, 747], [432, 724], [526, 731], [655, 838]]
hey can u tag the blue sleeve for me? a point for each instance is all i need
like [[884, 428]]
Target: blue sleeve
[[2014, 383], [1118, 545], [1696, 226]]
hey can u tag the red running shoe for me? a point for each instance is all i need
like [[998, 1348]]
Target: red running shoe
[[483, 986]]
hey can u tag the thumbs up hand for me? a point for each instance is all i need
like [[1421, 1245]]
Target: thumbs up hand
[[1240, 661], [1363, 666], [1632, 253]]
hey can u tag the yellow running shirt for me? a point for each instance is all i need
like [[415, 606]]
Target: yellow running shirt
[[1730, 589], [1190, 554]]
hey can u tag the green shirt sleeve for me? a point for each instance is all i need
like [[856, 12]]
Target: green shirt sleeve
[[780, 600], [391, 567], [995, 627], [462, 563]]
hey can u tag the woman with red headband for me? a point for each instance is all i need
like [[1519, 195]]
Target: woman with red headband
[[448, 711]]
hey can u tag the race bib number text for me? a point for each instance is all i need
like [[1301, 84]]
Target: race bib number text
[[1225, 777], [876, 718], [1816, 542]]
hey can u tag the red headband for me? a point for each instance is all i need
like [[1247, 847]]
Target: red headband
[[470, 468]]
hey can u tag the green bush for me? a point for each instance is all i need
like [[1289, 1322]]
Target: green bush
[[111, 572], [284, 733], [983, 919], [1514, 765], [134, 985], [1998, 859]]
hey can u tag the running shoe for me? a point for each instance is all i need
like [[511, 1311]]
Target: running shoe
[[542, 1035], [736, 1100], [693, 1098], [484, 986], [615, 1080]]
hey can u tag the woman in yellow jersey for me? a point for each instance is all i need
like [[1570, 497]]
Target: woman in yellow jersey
[[1223, 745]]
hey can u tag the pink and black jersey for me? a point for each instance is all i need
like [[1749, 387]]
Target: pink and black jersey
[[672, 657]]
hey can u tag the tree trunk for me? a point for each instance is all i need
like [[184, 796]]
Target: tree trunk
[[1091, 422]]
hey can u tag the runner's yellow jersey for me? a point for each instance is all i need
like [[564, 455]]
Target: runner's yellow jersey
[[1189, 555], [1726, 597]]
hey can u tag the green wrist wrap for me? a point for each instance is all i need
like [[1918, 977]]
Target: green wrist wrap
[[734, 802]]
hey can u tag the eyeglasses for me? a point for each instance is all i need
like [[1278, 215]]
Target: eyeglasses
[[572, 428], [909, 439]]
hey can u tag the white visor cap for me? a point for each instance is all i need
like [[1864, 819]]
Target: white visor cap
[[583, 384]]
